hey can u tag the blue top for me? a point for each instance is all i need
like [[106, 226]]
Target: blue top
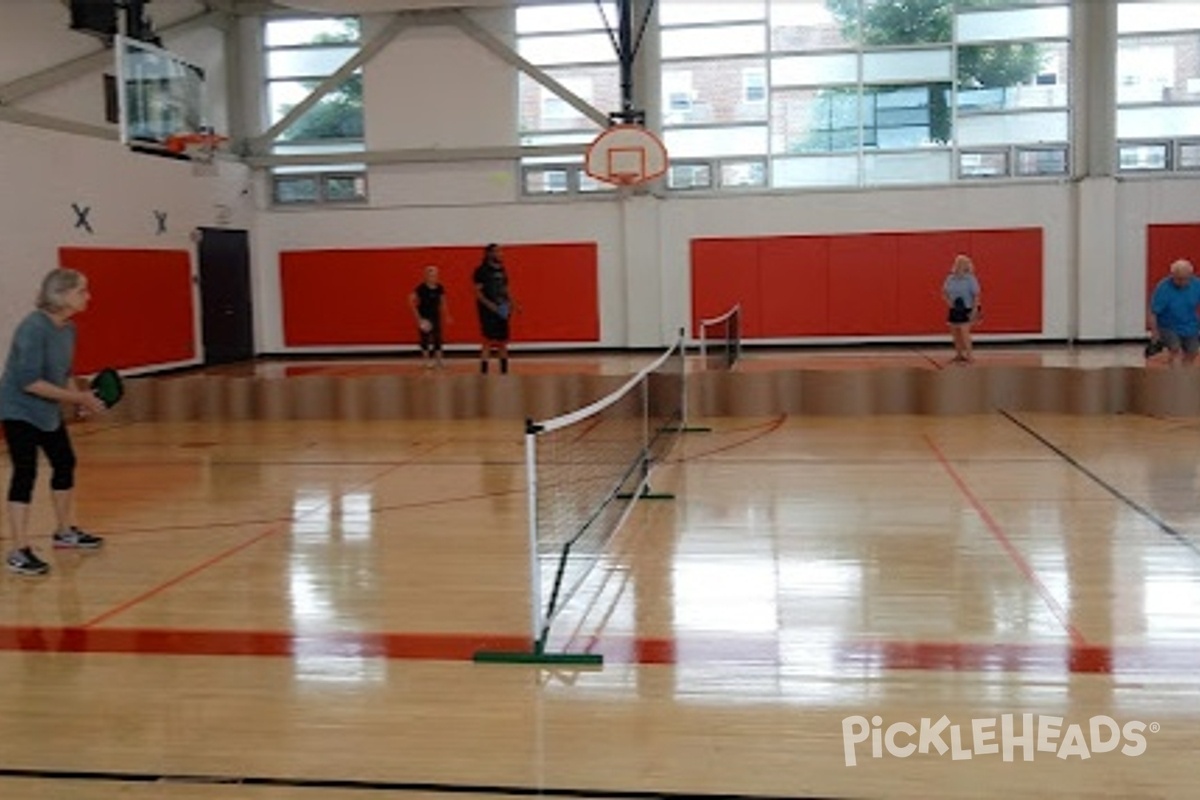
[[962, 287], [40, 350], [1174, 307]]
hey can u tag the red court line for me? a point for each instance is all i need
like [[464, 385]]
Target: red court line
[[758, 432], [850, 657], [162, 641], [178, 579], [123, 607], [998, 534], [984, 657]]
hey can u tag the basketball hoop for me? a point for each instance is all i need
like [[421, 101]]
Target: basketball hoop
[[626, 155], [200, 148]]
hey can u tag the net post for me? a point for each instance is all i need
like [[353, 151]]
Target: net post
[[685, 422], [736, 354], [535, 573], [539, 628], [637, 461]]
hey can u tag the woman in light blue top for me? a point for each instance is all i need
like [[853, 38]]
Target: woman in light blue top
[[962, 292], [36, 381]]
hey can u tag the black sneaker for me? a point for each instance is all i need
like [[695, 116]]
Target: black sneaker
[[76, 539], [26, 562]]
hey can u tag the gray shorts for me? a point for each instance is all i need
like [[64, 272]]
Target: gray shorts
[[1175, 342]]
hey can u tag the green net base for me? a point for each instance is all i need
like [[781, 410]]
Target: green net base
[[536, 656]]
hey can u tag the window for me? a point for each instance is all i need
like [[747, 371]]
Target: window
[[546, 180], [319, 187], [1149, 156], [689, 176], [1042, 161], [299, 55], [744, 173], [1157, 84], [794, 93], [570, 43], [1012, 78], [983, 164], [678, 95], [1189, 155], [345, 188], [556, 112], [714, 90], [297, 189], [754, 85], [1012, 162], [886, 91]]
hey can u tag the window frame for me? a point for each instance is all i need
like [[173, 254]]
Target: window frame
[[278, 177]]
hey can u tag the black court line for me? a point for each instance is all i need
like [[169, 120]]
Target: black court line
[[192, 463], [1149, 515], [818, 461], [383, 786], [382, 463]]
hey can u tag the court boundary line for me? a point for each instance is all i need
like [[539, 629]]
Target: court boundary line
[[1006, 544], [1057, 658], [352, 784], [374, 511], [1141, 510], [273, 530]]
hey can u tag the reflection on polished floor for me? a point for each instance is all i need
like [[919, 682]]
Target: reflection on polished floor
[[294, 605]]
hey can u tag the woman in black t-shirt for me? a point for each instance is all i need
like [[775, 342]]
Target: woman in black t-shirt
[[429, 306]]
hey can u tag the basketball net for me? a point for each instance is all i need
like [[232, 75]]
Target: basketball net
[[200, 148]]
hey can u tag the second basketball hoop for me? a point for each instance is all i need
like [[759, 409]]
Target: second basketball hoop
[[626, 155]]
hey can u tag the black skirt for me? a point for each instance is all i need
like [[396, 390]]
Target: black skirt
[[959, 313]]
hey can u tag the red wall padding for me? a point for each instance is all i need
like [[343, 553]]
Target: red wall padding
[[359, 297], [141, 312], [877, 284], [1165, 244]]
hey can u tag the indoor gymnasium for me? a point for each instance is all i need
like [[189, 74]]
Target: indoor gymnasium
[[758, 399]]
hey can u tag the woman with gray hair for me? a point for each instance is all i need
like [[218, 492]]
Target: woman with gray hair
[[36, 381]]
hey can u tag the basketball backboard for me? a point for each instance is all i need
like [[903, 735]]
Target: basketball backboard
[[159, 95], [626, 155]]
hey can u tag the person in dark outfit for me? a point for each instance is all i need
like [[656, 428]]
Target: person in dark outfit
[[431, 310], [495, 304]]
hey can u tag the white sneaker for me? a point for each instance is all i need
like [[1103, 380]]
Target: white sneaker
[[26, 562], [76, 539]]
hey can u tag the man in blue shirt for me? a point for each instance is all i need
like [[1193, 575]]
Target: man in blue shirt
[[1173, 320]]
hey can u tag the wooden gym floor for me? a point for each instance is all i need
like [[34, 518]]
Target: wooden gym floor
[[288, 610]]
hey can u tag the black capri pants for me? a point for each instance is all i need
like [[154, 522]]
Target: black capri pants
[[24, 440], [432, 338]]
